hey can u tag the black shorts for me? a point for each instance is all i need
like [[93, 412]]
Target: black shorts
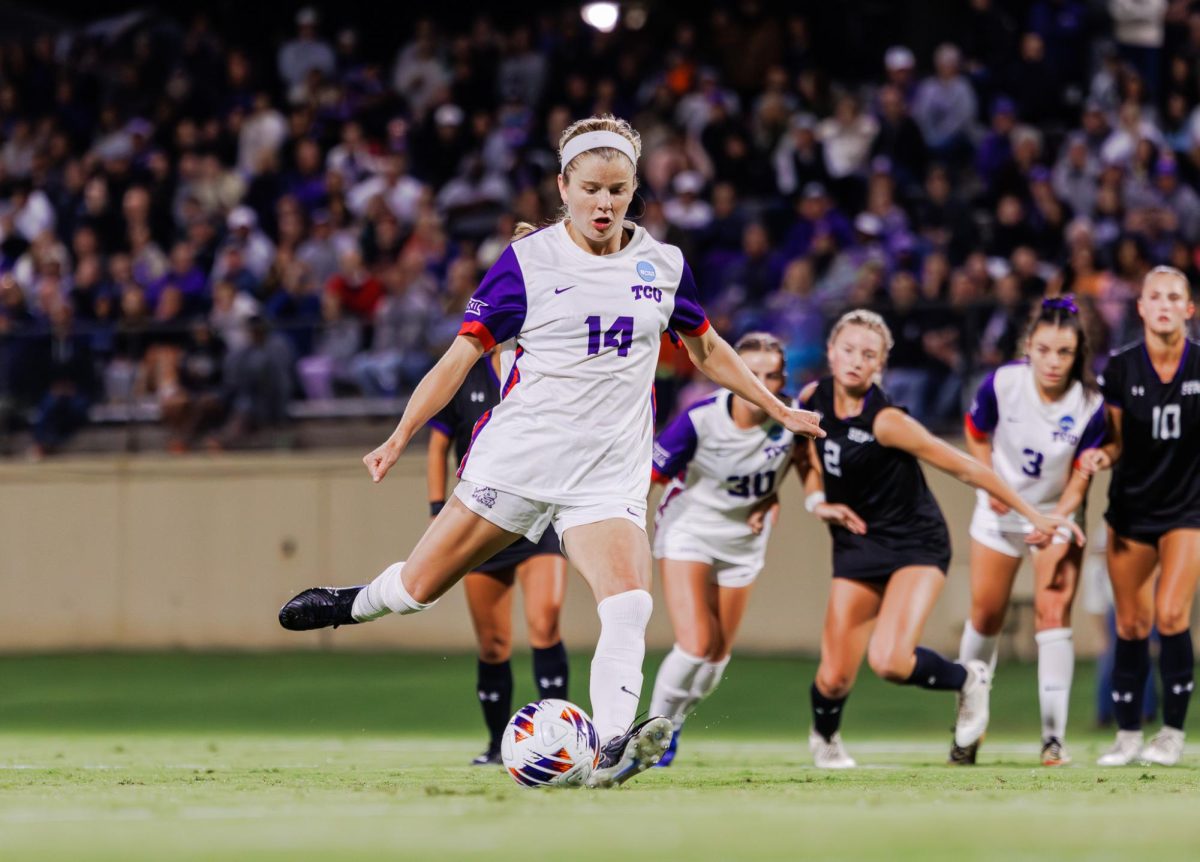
[[503, 565], [1148, 531], [877, 558]]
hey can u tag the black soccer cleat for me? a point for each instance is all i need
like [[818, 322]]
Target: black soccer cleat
[[490, 757], [631, 753], [963, 756], [319, 608]]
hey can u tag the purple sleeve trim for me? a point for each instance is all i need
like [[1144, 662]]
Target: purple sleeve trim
[[440, 426], [688, 317], [1093, 432], [499, 303], [985, 412], [675, 446]]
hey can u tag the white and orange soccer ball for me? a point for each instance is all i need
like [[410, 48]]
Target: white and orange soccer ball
[[550, 743]]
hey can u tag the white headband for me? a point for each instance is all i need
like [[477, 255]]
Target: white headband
[[595, 141]]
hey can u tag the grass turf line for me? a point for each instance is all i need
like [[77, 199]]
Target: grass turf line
[[324, 756]]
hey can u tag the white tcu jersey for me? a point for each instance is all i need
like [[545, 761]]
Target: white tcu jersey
[[717, 473], [1034, 444], [576, 421]]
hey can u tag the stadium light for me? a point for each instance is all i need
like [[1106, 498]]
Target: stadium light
[[601, 16]]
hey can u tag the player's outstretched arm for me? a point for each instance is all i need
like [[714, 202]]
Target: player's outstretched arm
[[434, 391], [897, 430], [808, 463], [1092, 461], [718, 361], [981, 450]]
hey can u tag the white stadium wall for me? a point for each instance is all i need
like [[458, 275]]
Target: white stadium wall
[[198, 553]]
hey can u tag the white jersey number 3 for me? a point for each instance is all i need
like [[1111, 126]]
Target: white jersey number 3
[[1165, 423]]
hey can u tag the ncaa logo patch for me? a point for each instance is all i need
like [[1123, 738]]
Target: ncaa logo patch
[[646, 270]]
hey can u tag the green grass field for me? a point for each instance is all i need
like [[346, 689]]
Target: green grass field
[[332, 757]]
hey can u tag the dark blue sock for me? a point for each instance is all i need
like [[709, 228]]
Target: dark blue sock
[[827, 712], [1131, 666], [1177, 667], [494, 685], [934, 672], [551, 670]]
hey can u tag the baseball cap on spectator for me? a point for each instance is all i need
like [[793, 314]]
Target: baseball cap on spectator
[[898, 57], [869, 224], [687, 183], [449, 115], [241, 217], [1004, 106], [321, 216], [812, 190], [1039, 174], [881, 165]]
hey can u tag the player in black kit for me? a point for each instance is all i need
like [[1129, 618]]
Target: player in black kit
[[891, 548], [1152, 389], [541, 569]]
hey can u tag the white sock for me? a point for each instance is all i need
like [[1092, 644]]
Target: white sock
[[673, 685], [976, 646], [386, 595], [705, 683], [1056, 665], [616, 682]]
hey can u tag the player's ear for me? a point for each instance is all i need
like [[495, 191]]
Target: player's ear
[[562, 188]]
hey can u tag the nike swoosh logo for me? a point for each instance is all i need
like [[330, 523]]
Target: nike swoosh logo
[[635, 514], [559, 290], [627, 691]]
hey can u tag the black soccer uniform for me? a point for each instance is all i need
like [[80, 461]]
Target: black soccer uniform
[[479, 393], [1156, 483], [885, 487]]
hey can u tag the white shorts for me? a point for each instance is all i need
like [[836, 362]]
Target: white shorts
[[988, 530], [530, 518], [677, 544]]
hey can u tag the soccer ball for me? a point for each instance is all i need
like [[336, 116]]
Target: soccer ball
[[550, 743]]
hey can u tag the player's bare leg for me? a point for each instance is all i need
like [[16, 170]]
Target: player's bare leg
[[489, 601], [1056, 578], [992, 577], [894, 653], [614, 558], [455, 542], [849, 620], [1131, 569], [691, 604], [1180, 554], [543, 580]]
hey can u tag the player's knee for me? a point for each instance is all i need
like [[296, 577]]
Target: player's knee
[[1134, 625], [494, 646], [699, 643], [987, 621], [718, 649], [1051, 614], [890, 664], [832, 683], [543, 629], [1171, 619]]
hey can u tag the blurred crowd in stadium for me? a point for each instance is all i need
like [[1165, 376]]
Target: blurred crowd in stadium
[[222, 226]]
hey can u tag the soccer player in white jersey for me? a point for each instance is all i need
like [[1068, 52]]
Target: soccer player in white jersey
[[585, 302], [722, 460], [1030, 421]]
